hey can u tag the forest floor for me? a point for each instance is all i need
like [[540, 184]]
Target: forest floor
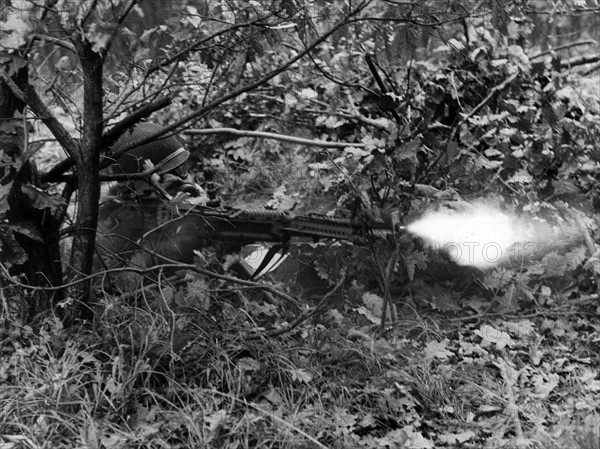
[[187, 371]]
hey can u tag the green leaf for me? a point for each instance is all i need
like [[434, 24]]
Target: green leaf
[[14, 30], [301, 375], [368, 315], [437, 350], [11, 253], [490, 335], [4, 192], [16, 63], [374, 303], [576, 256], [372, 143], [248, 364], [41, 199], [100, 34], [457, 438], [356, 152], [27, 229], [426, 190]]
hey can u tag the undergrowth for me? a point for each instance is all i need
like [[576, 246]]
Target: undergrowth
[[205, 378], [497, 359]]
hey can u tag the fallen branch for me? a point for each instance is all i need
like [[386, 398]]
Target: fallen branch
[[579, 60], [274, 136], [562, 47]]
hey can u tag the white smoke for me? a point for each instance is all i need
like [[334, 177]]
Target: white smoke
[[481, 235]]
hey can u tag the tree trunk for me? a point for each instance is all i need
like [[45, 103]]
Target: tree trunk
[[87, 163]]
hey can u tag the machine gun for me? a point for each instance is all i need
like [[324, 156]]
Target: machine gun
[[241, 227], [174, 232], [247, 226]]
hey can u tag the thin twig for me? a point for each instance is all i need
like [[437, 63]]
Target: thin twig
[[474, 111], [142, 176], [144, 271], [303, 317], [387, 280]]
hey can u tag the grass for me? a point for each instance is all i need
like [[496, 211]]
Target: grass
[[139, 378]]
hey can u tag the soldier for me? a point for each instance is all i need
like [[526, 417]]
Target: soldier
[[135, 206], [165, 155]]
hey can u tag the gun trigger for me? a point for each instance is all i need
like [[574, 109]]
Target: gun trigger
[[284, 247]]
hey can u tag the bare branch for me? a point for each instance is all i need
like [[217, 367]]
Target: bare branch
[[592, 69], [87, 168], [35, 103], [54, 175], [369, 58], [118, 128], [550, 12], [53, 40], [274, 136]]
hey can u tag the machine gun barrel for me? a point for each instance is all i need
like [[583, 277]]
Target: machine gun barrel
[[256, 225]]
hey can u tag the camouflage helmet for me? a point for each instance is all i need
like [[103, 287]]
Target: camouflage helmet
[[167, 154]]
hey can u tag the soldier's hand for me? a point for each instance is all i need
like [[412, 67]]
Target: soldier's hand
[[184, 198]]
